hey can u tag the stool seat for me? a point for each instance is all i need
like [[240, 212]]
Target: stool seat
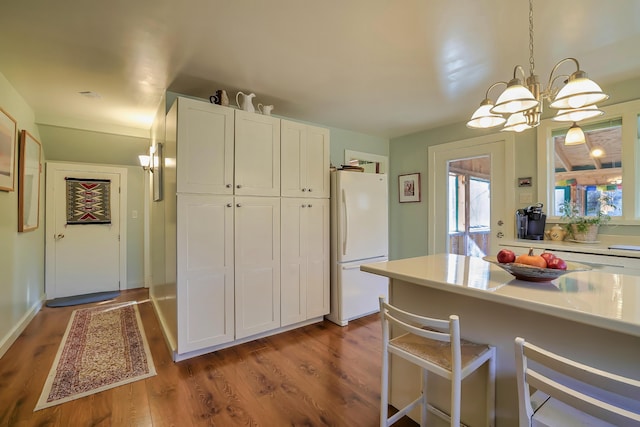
[[438, 352], [435, 346]]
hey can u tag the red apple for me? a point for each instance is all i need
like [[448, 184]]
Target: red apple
[[506, 256], [548, 256], [557, 263]]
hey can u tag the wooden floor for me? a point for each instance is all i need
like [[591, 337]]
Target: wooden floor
[[319, 375]]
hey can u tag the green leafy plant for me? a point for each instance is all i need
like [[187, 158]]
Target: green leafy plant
[[576, 222]]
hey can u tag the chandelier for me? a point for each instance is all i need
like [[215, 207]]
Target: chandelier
[[522, 104]]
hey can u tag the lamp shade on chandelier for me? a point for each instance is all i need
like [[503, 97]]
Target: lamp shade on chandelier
[[522, 103]]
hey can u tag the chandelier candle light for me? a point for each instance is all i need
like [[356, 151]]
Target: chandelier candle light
[[575, 101]]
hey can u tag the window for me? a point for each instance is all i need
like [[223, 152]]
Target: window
[[581, 174], [585, 173]]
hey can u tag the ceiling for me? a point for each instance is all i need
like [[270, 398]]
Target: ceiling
[[379, 67]]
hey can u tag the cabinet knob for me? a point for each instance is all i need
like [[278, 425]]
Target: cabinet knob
[[228, 185], [238, 205], [304, 189], [500, 235], [238, 186], [229, 205], [310, 206], [500, 222], [310, 190], [304, 206]]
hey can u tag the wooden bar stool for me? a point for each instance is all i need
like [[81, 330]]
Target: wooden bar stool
[[435, 346], [568, 393]]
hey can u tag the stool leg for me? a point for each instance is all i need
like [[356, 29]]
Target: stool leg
[[423, 409], [491, 391], [384, 390]]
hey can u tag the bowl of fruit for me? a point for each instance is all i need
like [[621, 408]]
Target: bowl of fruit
[[534, 268]]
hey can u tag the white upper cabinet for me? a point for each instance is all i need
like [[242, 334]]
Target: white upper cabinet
[[305, 160], [205, 136], [257, 155]]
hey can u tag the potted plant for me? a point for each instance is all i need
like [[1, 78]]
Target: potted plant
[[585, 228]]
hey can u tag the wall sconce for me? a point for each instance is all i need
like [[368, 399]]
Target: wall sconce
[[145, 162]]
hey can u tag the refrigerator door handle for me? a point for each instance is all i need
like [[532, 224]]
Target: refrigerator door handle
[[345, 235]]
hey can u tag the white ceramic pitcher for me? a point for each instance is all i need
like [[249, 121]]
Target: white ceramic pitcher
[[265, 109], [247, 102]]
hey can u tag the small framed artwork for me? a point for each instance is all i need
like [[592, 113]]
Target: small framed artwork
[[524, 182], [409, 187], [157, 168], [8, 138], [29, 183]]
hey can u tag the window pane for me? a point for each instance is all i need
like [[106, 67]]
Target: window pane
[[479, 204], [586, 172]]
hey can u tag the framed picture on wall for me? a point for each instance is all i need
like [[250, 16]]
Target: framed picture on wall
[[8, 137], [29, 183], [409, 188]]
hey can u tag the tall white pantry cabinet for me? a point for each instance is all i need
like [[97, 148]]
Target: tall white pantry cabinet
[[252, 253]]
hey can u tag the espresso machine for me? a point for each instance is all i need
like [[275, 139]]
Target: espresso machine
[[530, 222]]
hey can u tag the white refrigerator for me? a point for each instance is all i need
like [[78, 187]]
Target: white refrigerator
[[359, 235]]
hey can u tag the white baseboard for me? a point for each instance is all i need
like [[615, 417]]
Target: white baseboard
[[184, 356], [12, 336]]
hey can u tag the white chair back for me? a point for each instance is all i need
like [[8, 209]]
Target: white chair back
[[589, 391]]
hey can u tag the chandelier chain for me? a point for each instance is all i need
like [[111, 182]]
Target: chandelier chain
[[531, 61]]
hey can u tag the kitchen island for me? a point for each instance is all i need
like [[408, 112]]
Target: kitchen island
[[591, 316]]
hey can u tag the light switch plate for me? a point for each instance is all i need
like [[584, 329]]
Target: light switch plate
[[526, 197]]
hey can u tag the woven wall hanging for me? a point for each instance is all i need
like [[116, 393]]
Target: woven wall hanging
[[88, 201]]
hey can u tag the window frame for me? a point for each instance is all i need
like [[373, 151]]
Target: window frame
[[629, 113]]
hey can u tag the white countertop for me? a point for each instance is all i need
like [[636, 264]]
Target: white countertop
[[605, 300]]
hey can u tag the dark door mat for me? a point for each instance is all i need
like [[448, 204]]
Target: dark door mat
[[82, 299]]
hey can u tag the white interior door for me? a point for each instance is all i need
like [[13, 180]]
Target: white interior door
[[499, 150], [83, 258]]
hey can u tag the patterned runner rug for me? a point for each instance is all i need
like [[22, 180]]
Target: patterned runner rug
[[103, 347]]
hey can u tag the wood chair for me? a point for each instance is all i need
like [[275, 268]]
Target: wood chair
[[435, 346], [568, 393]]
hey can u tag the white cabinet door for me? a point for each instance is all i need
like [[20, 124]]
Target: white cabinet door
[[305, 160], [205, 271], [305, 259], [257, 268], [293, 290], [205, 136], [316, 237], [257, 154], [317, 162]]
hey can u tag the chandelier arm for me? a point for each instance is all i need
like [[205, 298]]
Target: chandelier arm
[[550, 92], [492, 86], [555, 67], [515, 70]]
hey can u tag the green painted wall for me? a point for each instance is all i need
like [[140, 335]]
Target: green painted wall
[[21, 254]]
